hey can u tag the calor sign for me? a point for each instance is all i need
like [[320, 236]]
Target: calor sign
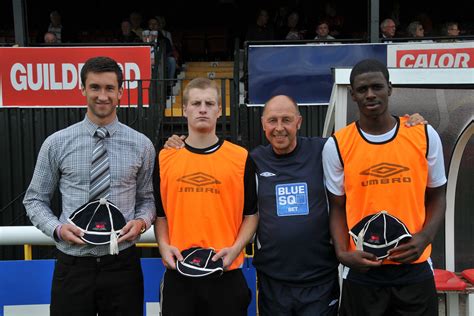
[[439, 55]]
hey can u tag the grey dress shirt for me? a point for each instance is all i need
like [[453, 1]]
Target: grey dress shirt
[[65, 159]]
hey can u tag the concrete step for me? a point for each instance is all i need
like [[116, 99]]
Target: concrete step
[[213, 64], [210, 75]]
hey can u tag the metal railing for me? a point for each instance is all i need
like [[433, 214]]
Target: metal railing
[[29, 236]]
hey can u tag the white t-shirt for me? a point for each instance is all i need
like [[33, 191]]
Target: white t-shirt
[[334, 172]]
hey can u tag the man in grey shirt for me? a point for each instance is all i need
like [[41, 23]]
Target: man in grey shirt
[[87, 279]]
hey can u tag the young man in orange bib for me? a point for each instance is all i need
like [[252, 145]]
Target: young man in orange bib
[[377, 164], [206, 198]]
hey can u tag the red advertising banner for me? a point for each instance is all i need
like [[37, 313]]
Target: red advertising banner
[[431, 55], [50, 76]]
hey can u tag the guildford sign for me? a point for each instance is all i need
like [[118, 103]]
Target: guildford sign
[[50, 77]]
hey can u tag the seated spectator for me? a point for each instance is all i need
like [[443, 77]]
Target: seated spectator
[[260, 30], [334, 20], [126, 35], [56, 27], [322, 31], [158, 35], [50, 38], [136, 23], [415, 29], [293, 31], [161, 27], [279, 21], [451, 29], [387, 29]]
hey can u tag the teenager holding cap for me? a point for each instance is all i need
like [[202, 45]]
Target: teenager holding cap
[[97, 158], [206, 197], [378, 164]]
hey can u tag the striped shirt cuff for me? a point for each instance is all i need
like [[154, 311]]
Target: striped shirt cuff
[[57, 233]]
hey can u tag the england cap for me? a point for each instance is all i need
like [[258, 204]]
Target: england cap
[[197, 263], [378, 233], [100, 221]]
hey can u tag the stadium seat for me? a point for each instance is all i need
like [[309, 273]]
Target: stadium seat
[[468, 274], [194, 45], [448, 281], [217, 43], [452, 286]]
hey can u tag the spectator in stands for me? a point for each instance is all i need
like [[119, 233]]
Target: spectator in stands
[[415, 29], [50, 38], [174, 46], [451, 29], [401, 281], [126, 35], [153, 25], [260, 30], [293, 31], [387, 29], [222, 215], [280, 21], [136, 23], [161, 27], [322, 31], [88, 279], [335, 21], [56, 26]]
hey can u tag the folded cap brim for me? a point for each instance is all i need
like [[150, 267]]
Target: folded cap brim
[[98, 239], [193, 271]]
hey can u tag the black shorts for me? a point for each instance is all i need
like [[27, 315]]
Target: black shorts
[[278, 299], [369, 300], [227, 294]]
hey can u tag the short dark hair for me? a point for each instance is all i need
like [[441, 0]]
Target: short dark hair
[[369, 65], [101, 64]]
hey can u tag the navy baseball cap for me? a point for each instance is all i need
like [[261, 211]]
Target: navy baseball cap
[[99, 220], [378, 233], [197, 263]]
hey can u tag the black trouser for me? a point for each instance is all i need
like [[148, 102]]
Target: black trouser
[[417, 299], [107, 285], [275, 298], [226, 295]]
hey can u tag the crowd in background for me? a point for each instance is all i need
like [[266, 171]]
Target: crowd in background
[[293, 20]]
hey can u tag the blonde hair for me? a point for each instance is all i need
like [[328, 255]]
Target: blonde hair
[[202, 84]]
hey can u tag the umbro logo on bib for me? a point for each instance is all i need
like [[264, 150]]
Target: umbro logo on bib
[[267, 174]]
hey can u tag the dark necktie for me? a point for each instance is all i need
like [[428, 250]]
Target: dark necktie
[[100, 172]]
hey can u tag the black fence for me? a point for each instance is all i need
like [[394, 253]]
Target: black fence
[[23, 130]]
